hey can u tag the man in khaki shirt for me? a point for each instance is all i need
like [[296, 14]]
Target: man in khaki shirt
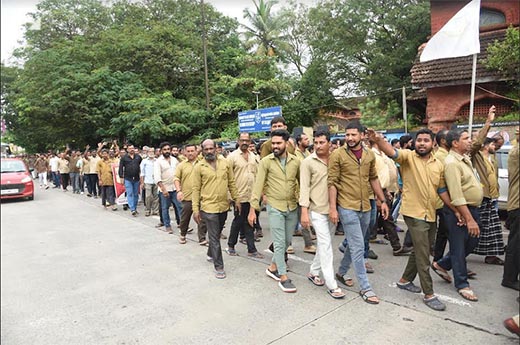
[[314, 205], [106, 180], [466, 195], [512, 262], [278, 122], [184, 185], [423, 180], [277, 177], [491, 242], [64, 169], [244, 167], [351, 170], [212, 180]]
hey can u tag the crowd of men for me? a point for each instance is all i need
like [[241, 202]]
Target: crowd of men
[[445, 186]]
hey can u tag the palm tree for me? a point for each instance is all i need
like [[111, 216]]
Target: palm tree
[[265, 34]]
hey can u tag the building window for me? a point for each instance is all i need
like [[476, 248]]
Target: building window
[[491, 17]]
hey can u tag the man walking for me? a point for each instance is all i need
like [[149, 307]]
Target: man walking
[[148, 184], [423, 180], [184, 185], [106, 181], [164, 170], [278, 177], [129, 169], [212, 180], [351, 170], [42, 166], [314, 205], [466, 195], [244, 167]]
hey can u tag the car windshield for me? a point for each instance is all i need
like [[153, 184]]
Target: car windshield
[[502, 159], [12, 166]]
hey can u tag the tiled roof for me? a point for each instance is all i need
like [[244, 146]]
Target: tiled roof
[[456, 71]]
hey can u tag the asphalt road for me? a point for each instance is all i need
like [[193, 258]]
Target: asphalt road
[[73, 273]]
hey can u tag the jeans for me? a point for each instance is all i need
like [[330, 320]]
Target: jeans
[[166, 202], [239, 224], [74, 181], [356, 225], [423, 235], [442, 237], [56, 178], [512, 262], [282, 225], [215, 222], [323, 260], [132, 193], [396, 205], [461, 245], [42, 177], [371, 226]]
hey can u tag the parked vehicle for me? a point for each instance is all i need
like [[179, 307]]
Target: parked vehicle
[[16, 179], [503, 180]]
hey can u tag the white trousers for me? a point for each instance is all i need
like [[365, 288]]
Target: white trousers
[[323, 260], [42, 177]]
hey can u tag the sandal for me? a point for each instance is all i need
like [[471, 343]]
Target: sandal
[[349, 282], [468, 294], [410, 286], [441, 272], [316, 280], [231, 251], [494, 260], [220, 275], [182, 240], [255, 255], [471, 274], [336, 293], [368, 296]]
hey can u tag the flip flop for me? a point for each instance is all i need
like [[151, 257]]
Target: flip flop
[[444, 275], [336, 293], [468, 294], [316, 280]]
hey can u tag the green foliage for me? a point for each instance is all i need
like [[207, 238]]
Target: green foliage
[[377, 117], [505, 56]]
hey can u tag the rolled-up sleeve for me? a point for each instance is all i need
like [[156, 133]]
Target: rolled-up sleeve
[[305, 184], [454, 183], [334, 169], [195, 196]]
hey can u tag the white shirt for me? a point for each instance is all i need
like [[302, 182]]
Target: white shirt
[[53, 162], [164, 172]]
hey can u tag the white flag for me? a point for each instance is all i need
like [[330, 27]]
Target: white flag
[[458, 37]]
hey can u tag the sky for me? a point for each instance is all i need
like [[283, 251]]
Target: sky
[[14, 15]]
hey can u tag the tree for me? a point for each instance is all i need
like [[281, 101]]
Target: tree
[[265, 34], [504, 56]]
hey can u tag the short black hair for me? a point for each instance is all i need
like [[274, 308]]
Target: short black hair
[[394, 141], [454, 135], [488, 141], [299, 138], [404, 139], [277, 119], [322, 133], [441, 135], [425, 131], [163, 144], [355, 125], [190, 145], [281, 133]]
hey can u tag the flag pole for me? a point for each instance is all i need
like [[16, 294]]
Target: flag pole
[[472, 97], [405, 115]]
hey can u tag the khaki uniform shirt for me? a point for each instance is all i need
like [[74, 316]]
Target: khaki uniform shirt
[[513, 200], [485, 169], [279, 184], [267, 148], [211, 186], [63, 166], [461, 180], [41, 165], [184, 174], [383, 173], [94, 164], [313, 184], [301, 155], [422, 181], [245, 171], [164, 172], [440, 155], [104, 169], [351, 178]]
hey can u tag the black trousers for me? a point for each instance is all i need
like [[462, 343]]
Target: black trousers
[[512, 262], [239, 225], [442, 237], [215, 223]]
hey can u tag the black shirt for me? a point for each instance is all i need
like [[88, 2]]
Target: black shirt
[[129, 168]]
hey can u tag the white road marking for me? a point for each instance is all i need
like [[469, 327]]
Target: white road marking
[[443, 298], [293, 257]]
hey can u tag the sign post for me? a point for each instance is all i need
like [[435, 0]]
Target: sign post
[[258, 120]]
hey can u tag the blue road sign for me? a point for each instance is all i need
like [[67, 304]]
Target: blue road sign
[[258, 120]]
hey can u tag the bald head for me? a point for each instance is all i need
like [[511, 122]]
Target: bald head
[[208, 150]]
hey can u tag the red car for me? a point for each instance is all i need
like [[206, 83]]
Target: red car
[[16, 180]]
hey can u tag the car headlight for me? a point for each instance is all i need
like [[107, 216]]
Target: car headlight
[[26, 179]]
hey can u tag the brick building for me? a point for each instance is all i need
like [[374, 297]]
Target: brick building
[[447, 82]]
